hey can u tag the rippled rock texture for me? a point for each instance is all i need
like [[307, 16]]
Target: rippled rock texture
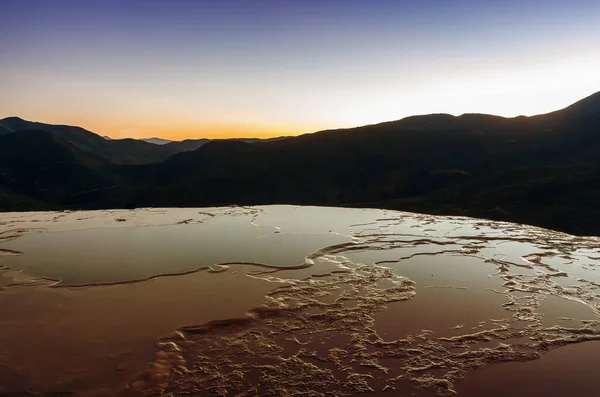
[[301, 300]]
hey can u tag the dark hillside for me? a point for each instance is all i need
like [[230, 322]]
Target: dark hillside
[[117, 151], [542, 170], [44, 168]]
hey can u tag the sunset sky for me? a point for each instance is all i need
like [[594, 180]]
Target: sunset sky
[[181, 68]]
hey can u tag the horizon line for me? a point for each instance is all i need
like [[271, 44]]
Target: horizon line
[[284, 135]]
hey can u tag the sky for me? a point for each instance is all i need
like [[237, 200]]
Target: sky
[[239, 68]]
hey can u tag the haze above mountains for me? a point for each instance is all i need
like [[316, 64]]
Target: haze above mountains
[[542, 170]]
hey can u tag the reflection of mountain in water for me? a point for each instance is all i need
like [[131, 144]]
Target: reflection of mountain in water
[[368, 301]]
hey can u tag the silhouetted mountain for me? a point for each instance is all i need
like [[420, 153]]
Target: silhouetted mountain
[[542, 170], [195, 144], [585, 107], [157, 141], [14, 201], [117, 151], [47, 169], [187, 145]]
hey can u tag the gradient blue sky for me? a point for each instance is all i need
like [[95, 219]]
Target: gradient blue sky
[[183, 68]]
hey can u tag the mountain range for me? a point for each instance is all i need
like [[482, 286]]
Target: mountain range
[[542, 170], [115, 151]]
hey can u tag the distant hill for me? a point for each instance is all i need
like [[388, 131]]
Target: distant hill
[[189, 145], [116, 151], [156, 141], [585, 107], [38, 166], [542, 170]]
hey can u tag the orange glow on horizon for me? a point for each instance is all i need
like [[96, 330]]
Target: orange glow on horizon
[[182, 132], [501, 90], [199, 70], [214, 132]]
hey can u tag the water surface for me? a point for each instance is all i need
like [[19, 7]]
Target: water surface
[[285, 300]]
